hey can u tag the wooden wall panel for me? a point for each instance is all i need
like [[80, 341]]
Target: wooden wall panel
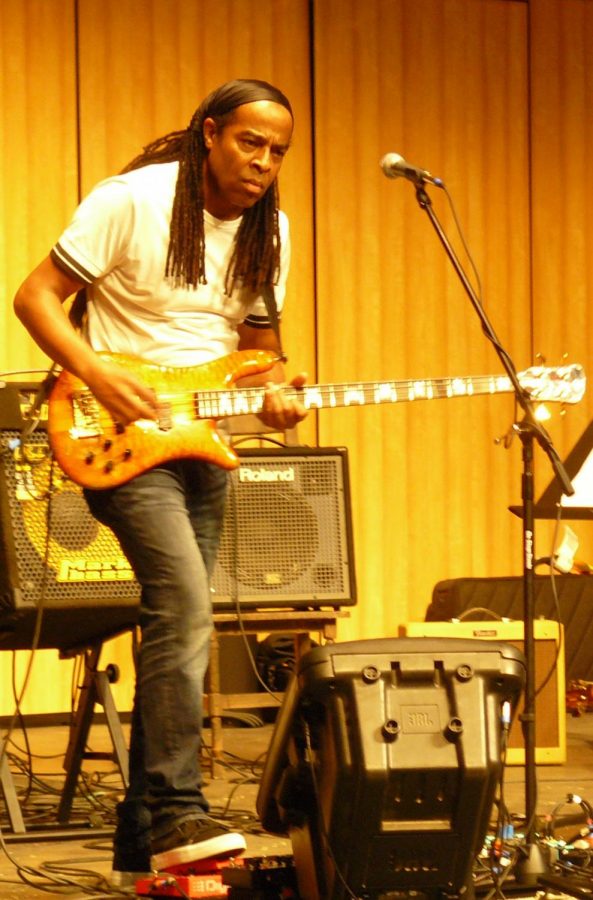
[[147, 64], [181, 51], [562, 206], [444, 84], [38, 160], [52, 684], [38, 171], [144, 66]]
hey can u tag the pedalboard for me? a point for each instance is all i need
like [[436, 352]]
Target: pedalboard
[[244, 878]]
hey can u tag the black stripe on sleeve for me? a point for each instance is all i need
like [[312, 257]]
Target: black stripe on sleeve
[[258, 321], [70, 266]]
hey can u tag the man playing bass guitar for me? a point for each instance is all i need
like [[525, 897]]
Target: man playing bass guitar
[[175, 256]]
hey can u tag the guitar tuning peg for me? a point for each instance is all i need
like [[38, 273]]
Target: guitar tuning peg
[[540, 358]]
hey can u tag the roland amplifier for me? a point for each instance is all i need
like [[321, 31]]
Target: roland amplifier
[[53, 553], [286, 541], [287, 535]]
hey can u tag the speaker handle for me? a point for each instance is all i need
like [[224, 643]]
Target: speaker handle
[[277, 760]]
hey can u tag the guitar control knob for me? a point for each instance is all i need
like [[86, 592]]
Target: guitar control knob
[[107, 445], [108, 467], [127, 453], [89, 458]]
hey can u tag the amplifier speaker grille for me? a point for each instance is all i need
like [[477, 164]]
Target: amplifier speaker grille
[[287, 537], [51, 545]]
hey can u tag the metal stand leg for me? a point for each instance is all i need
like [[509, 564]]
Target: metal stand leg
[[95, 689], [12, 804]]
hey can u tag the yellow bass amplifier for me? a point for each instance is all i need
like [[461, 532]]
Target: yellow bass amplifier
[[550, 703]]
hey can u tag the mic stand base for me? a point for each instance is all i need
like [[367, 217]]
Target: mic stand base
[[531, 866]]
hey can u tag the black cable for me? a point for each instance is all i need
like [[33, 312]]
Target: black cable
[[234, 506], [324, 832]]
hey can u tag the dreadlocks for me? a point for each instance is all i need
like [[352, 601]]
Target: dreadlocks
[[255, 261]]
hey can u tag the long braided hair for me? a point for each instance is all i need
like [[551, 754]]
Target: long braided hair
[[255, 261]]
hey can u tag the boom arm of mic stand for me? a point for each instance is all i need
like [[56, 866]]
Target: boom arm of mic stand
[[532, 864], [523, 399]]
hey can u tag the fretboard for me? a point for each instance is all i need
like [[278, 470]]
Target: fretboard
[[223, 403]]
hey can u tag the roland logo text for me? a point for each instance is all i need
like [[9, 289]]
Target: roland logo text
[[260, 474]]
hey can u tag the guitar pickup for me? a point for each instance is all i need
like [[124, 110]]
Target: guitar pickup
[[85, 416], [165, 420]]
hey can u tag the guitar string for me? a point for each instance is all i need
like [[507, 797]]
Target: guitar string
[[216, 402], [463, 386]]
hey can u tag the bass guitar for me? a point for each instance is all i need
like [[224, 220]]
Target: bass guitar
[[97, 452]]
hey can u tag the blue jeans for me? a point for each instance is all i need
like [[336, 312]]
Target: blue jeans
[[168, 521]]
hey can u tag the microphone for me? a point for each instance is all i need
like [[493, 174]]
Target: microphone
[[395, 166]]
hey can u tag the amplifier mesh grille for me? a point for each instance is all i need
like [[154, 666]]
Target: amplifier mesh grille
[[285, 538], [48, 520]]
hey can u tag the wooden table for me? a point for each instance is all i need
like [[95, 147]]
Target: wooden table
[[298, 622]]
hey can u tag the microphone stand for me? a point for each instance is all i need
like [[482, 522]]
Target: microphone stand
[[532, 864]]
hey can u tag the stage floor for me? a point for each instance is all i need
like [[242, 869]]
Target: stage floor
[[82, 858]]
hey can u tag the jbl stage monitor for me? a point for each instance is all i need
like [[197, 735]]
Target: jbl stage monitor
[[384, 763]]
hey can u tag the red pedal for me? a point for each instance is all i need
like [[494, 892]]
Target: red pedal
[[195, 880], [194, 886]]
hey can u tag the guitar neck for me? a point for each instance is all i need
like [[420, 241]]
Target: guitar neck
[[238, 402]]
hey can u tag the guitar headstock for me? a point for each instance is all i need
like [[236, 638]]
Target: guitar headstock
[[563, 384]]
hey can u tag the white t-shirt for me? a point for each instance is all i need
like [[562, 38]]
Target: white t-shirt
[[117, 244]]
